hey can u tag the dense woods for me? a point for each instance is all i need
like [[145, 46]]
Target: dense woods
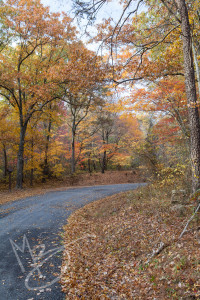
[[66, 109]]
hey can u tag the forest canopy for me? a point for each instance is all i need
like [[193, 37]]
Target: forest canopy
[[67, 109]]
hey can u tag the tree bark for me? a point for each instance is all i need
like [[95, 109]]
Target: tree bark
[[104, 158], [46, 168], [47, 144], [94, 165], [31, 177], [73, 168], [196, 66], [89, 165], [20, 158], [32, 169], [5, 162], [104, 167], [191, 95]]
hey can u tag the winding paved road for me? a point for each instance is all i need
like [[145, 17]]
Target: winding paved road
[[31, 240]]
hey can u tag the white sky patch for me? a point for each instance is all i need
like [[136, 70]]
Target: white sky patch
[[109, 10], [112, 9]]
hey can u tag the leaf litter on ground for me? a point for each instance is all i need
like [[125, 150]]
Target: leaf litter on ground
[[118, 263]]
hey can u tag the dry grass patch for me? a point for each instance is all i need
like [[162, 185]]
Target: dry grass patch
[[124, 229]]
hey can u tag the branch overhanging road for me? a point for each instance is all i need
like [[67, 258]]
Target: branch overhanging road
[[31, 243]]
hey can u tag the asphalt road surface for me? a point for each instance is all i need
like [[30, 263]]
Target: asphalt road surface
[[31, 240]]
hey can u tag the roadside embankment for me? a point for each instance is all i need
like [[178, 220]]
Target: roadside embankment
[[111, 249]]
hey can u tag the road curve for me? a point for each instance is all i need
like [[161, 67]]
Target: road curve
[[31, 240]]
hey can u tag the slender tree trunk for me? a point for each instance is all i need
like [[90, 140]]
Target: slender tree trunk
[[31, 177], [105, 154], [89, 165], [73, 152], [94, 165], [32, 169], [104, 164], [46, 164], [5, 162], [191, 95], [20, 158], [196, 66], [46, 169]]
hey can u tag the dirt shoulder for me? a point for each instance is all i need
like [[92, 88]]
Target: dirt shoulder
[[84, 179], [113, 240]]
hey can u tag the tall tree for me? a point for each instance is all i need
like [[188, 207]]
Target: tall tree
[[27, 79], [8, 136], [81, 92], [78, 107], [191, 94], [163, 19]]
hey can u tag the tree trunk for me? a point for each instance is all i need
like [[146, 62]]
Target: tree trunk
[[94, 165], [196, 66], [104, 158], [32, 169], [31, 177], [89, 165], [47, 144], [73, 153], [46, 168], [104, 164], [191, 95], [5, 162], [20, 158]]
